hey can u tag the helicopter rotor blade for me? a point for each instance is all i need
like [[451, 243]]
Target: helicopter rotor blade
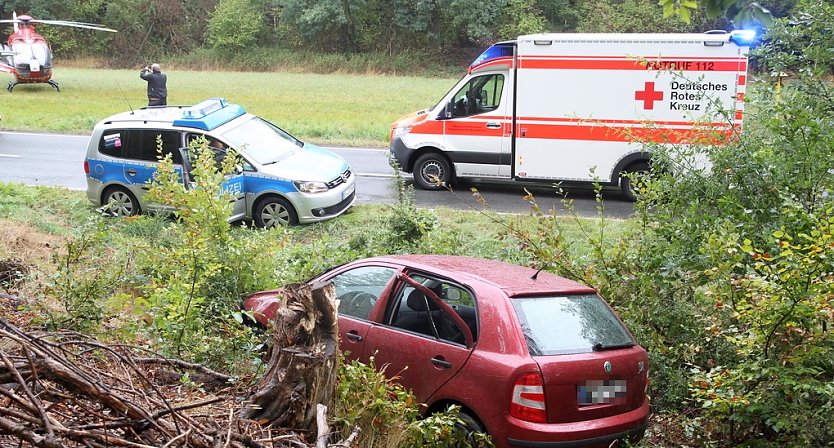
[[91, 26]]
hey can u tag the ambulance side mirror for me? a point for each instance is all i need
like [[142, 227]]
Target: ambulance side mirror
[[448, 110]]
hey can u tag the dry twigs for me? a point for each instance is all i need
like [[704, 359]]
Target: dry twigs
[[69, 390]]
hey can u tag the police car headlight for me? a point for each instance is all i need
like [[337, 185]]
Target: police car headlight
[[399, 131], [311, 187]]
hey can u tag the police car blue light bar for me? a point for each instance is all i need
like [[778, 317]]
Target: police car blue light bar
[[204, 108], [209, 114]]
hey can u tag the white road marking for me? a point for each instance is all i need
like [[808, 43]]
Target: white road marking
[[13, 156]]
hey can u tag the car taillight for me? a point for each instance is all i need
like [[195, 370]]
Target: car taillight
[[528, 398], [86, 167]]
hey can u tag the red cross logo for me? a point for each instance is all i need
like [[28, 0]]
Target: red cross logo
[[648, 96]]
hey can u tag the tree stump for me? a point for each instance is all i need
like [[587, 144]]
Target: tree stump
[[302, 368]]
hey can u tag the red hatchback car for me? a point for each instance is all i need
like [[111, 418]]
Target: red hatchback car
[[533, 359]]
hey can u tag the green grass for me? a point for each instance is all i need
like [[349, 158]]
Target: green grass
[[333, 109]]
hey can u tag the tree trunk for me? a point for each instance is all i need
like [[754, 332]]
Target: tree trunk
[[302, 368]]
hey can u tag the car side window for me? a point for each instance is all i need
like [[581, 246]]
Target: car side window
[[141, 144], [112, 143], [412, 310], [479, 95], [358, 290]]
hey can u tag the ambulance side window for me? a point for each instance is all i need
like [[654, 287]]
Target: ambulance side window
[[479, 95]]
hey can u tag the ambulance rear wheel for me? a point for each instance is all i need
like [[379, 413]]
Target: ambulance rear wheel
[[631, 180], [432, 171]]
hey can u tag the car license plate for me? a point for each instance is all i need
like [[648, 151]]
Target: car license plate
[[601, 392], [349, 191]]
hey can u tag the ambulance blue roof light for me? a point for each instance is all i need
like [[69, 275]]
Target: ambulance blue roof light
[[209, 114], [743, 37], [500, 50]]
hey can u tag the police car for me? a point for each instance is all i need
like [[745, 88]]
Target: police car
[[284, 181]]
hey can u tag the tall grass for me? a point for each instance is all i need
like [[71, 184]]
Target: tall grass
[[334, 109]]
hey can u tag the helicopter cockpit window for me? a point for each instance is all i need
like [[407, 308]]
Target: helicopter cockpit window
[[37, 51]]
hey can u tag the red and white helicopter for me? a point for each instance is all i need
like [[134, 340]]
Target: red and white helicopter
[[28, 55]]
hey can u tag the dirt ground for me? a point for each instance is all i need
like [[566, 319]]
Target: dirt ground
[[25, 256]]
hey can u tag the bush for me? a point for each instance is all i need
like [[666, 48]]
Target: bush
[[388, 415]]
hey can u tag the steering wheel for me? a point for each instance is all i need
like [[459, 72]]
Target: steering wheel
[[357, 304]]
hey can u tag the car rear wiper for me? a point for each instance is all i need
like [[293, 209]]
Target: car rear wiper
[[599, 346]]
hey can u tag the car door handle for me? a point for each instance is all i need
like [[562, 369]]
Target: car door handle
[[131, 171], [494, 125], [440, 362], [353, 336]]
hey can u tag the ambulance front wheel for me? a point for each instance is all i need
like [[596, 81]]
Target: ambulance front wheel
[[631, 180], [432, 171]]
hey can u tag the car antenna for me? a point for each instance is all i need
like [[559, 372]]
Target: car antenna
[[536, 275], [119, 85]]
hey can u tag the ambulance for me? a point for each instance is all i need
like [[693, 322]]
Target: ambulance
[[577, 108]]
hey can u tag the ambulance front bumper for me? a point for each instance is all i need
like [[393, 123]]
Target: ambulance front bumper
[[401, 153]]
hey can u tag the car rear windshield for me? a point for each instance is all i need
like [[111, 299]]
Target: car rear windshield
[[570, 324]]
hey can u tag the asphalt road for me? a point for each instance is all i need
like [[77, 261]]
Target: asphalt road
[[57, 160]]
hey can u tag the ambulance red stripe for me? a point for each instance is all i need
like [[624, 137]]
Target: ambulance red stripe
[[632, 64], [592, 121]]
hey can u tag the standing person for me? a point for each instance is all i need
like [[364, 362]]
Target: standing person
[[157, 90]]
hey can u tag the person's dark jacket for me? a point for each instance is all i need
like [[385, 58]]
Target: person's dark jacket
[[156, 83]]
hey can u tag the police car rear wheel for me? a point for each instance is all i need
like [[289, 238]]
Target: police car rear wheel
[[120, 202], [273, 212], [432, 171]]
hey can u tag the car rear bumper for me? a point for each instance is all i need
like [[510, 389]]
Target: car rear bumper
[[601, 432]]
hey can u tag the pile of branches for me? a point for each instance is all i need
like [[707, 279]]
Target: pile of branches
[[66, 389]]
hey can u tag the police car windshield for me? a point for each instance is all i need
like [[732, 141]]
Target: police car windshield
[[264, 142]]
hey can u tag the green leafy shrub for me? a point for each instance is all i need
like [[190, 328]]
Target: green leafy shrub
[[196, 280], [388, 415], [82, 282]]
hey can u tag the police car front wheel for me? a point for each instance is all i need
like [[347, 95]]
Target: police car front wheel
[[274, 211]]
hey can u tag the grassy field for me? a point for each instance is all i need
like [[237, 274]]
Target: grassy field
[[333, 109]]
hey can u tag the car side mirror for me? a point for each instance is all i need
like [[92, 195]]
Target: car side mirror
[[450, 107]]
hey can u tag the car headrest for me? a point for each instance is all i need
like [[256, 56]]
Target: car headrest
[[418, 301]]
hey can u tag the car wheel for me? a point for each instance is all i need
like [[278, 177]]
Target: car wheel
[[274, 211], [119, 201], [630, 180], [432, 171], [471, 426]]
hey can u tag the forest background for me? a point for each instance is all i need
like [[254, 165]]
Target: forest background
[[406, 37]]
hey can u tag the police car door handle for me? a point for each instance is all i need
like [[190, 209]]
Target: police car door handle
[[131, 171], [494, 125]]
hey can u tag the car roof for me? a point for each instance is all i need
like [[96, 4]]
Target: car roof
[[514, 280], [153, 114], [206, 116]]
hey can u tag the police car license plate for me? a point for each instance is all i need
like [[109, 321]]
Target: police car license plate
[[349, 191], [601, 392]]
